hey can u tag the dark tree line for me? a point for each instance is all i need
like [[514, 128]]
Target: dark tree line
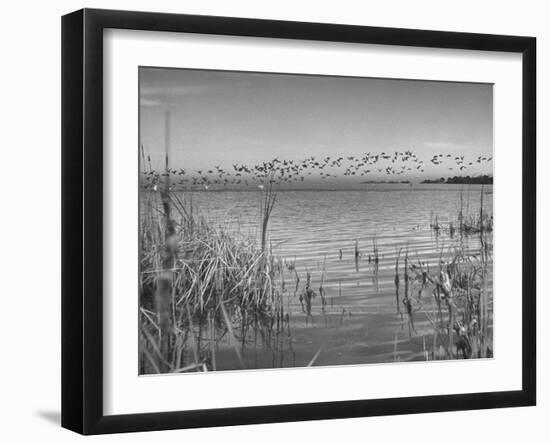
[[464, 180]]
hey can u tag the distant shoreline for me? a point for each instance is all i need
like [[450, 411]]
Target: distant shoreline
[[461, 180], [386, 182]]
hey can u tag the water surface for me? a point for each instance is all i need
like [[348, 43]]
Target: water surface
[[319, 231]]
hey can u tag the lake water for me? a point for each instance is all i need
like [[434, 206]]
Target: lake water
[[320, 231]]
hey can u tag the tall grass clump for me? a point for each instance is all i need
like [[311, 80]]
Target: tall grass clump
[[461, 307], [202, 288], [477, 223], [461, 311]]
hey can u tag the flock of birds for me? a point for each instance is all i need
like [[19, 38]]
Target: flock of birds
[[279, 171], [460, 162]]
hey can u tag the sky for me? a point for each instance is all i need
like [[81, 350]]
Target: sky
[[226, 117]]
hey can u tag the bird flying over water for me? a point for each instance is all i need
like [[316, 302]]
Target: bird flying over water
[[280, 172]]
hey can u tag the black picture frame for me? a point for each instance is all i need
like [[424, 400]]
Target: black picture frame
[[82, 218]]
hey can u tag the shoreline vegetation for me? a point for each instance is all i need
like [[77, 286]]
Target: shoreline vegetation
[[206, 292], [462, 180], [386, 182]]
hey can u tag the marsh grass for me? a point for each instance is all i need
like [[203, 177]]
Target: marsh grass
[[461, 311], [466, 223], [202, 287], [461, 308]]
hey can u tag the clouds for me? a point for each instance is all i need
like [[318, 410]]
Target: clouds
[[172, 87], [170, 96], [143, 101], [174, 90], [441, 145]]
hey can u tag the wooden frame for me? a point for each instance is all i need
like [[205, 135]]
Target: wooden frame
[[82, 154]]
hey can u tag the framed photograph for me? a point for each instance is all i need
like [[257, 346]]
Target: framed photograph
[[269, 221]]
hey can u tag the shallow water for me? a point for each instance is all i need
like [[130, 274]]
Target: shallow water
[[320, 231], [312, 227]]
